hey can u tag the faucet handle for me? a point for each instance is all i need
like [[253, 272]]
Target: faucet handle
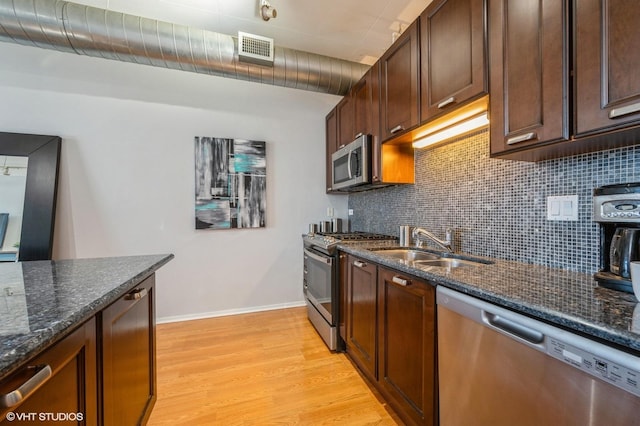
[[448, 237]]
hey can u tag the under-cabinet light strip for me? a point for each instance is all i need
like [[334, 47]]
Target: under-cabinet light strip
[[455, 130]]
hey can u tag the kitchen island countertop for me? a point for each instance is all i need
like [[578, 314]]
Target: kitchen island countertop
[[45, 300], [571, 300]]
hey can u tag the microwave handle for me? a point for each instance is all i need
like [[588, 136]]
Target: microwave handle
[[349, 165]]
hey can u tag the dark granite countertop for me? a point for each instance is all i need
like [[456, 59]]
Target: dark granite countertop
[[44, 300], [571, 300]]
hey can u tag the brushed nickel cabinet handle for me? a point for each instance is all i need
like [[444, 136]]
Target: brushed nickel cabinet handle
[[358, 135], [397, 129], [42, 374], [625, 110], [446, 102], [522, 138], [359, 264], [399, 280], [136, 294]]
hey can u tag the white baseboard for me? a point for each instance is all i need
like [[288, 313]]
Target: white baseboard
[[204, 315]]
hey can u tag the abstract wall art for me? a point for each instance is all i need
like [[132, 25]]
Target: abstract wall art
[[231, 182]]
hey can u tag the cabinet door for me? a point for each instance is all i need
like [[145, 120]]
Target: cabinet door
[[607, 37], [128, 357], [69, 391], [407, 339], [331, 128], [366, 98], [528, 73], [366, 101], [343, 279], [345, 109], [362, 329], [399, 84], [452, 52]]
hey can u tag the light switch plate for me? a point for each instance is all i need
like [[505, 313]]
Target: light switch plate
[[562, 207]]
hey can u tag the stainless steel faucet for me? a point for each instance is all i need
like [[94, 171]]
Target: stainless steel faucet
[[445, 244]]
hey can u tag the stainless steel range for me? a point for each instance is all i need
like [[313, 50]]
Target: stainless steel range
[[320, 279]]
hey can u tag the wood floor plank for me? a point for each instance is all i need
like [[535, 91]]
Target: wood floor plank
[[266, 368]]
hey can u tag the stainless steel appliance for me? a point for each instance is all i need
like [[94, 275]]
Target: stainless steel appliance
[[496, 367], [351, 164], [617, 209], [320, 279]]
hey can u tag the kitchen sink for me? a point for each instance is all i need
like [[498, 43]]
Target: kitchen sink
[[447, 262], [424, 258], [409, 255]]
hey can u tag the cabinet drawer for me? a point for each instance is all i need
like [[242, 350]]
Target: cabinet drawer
[[63, 380]]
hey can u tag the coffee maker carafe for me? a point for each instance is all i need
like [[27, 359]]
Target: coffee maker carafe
[[617, 209]]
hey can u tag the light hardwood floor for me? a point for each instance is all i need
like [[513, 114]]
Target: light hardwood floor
[[262, 368]]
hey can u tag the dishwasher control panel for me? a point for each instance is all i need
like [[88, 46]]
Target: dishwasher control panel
[[598, 366]]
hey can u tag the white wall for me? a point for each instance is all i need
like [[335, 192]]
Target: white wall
[[127, 172]]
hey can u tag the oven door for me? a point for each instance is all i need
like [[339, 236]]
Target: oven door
[[318, 281]]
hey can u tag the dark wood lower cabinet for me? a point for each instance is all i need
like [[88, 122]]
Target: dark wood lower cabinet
[[69, 395], [407, 335], [391, 336], [361, 308], [128, 357], [103, 373]]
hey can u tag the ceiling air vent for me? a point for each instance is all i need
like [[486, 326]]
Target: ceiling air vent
[[255, 49]]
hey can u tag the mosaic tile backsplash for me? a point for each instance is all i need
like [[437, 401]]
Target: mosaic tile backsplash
[[498, 208]]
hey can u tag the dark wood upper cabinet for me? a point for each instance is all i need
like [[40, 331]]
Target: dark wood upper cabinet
[[346, 127], [331, 135], [366, 101], [452, 54], [528, 69], [563, 77], [607, 61], [400, 84], [366, 115]]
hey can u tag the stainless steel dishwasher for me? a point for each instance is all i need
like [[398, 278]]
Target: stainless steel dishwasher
[[497, 367]]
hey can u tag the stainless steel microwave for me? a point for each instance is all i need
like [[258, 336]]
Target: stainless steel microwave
[[351, 164]]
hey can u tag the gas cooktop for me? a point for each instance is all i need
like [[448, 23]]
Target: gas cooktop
[[328, 240]]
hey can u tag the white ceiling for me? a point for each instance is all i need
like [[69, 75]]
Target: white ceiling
[[356, 30]]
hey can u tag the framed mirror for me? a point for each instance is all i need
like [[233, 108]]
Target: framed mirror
[[41, 190]]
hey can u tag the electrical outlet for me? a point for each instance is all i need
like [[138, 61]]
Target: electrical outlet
[[562, 207], [350, 212]]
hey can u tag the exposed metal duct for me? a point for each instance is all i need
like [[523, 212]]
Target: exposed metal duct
[[86, 30]]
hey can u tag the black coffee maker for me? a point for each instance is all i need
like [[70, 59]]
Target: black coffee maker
[[617, 209]]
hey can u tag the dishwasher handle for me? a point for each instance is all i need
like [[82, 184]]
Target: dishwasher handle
[[513, 328]]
